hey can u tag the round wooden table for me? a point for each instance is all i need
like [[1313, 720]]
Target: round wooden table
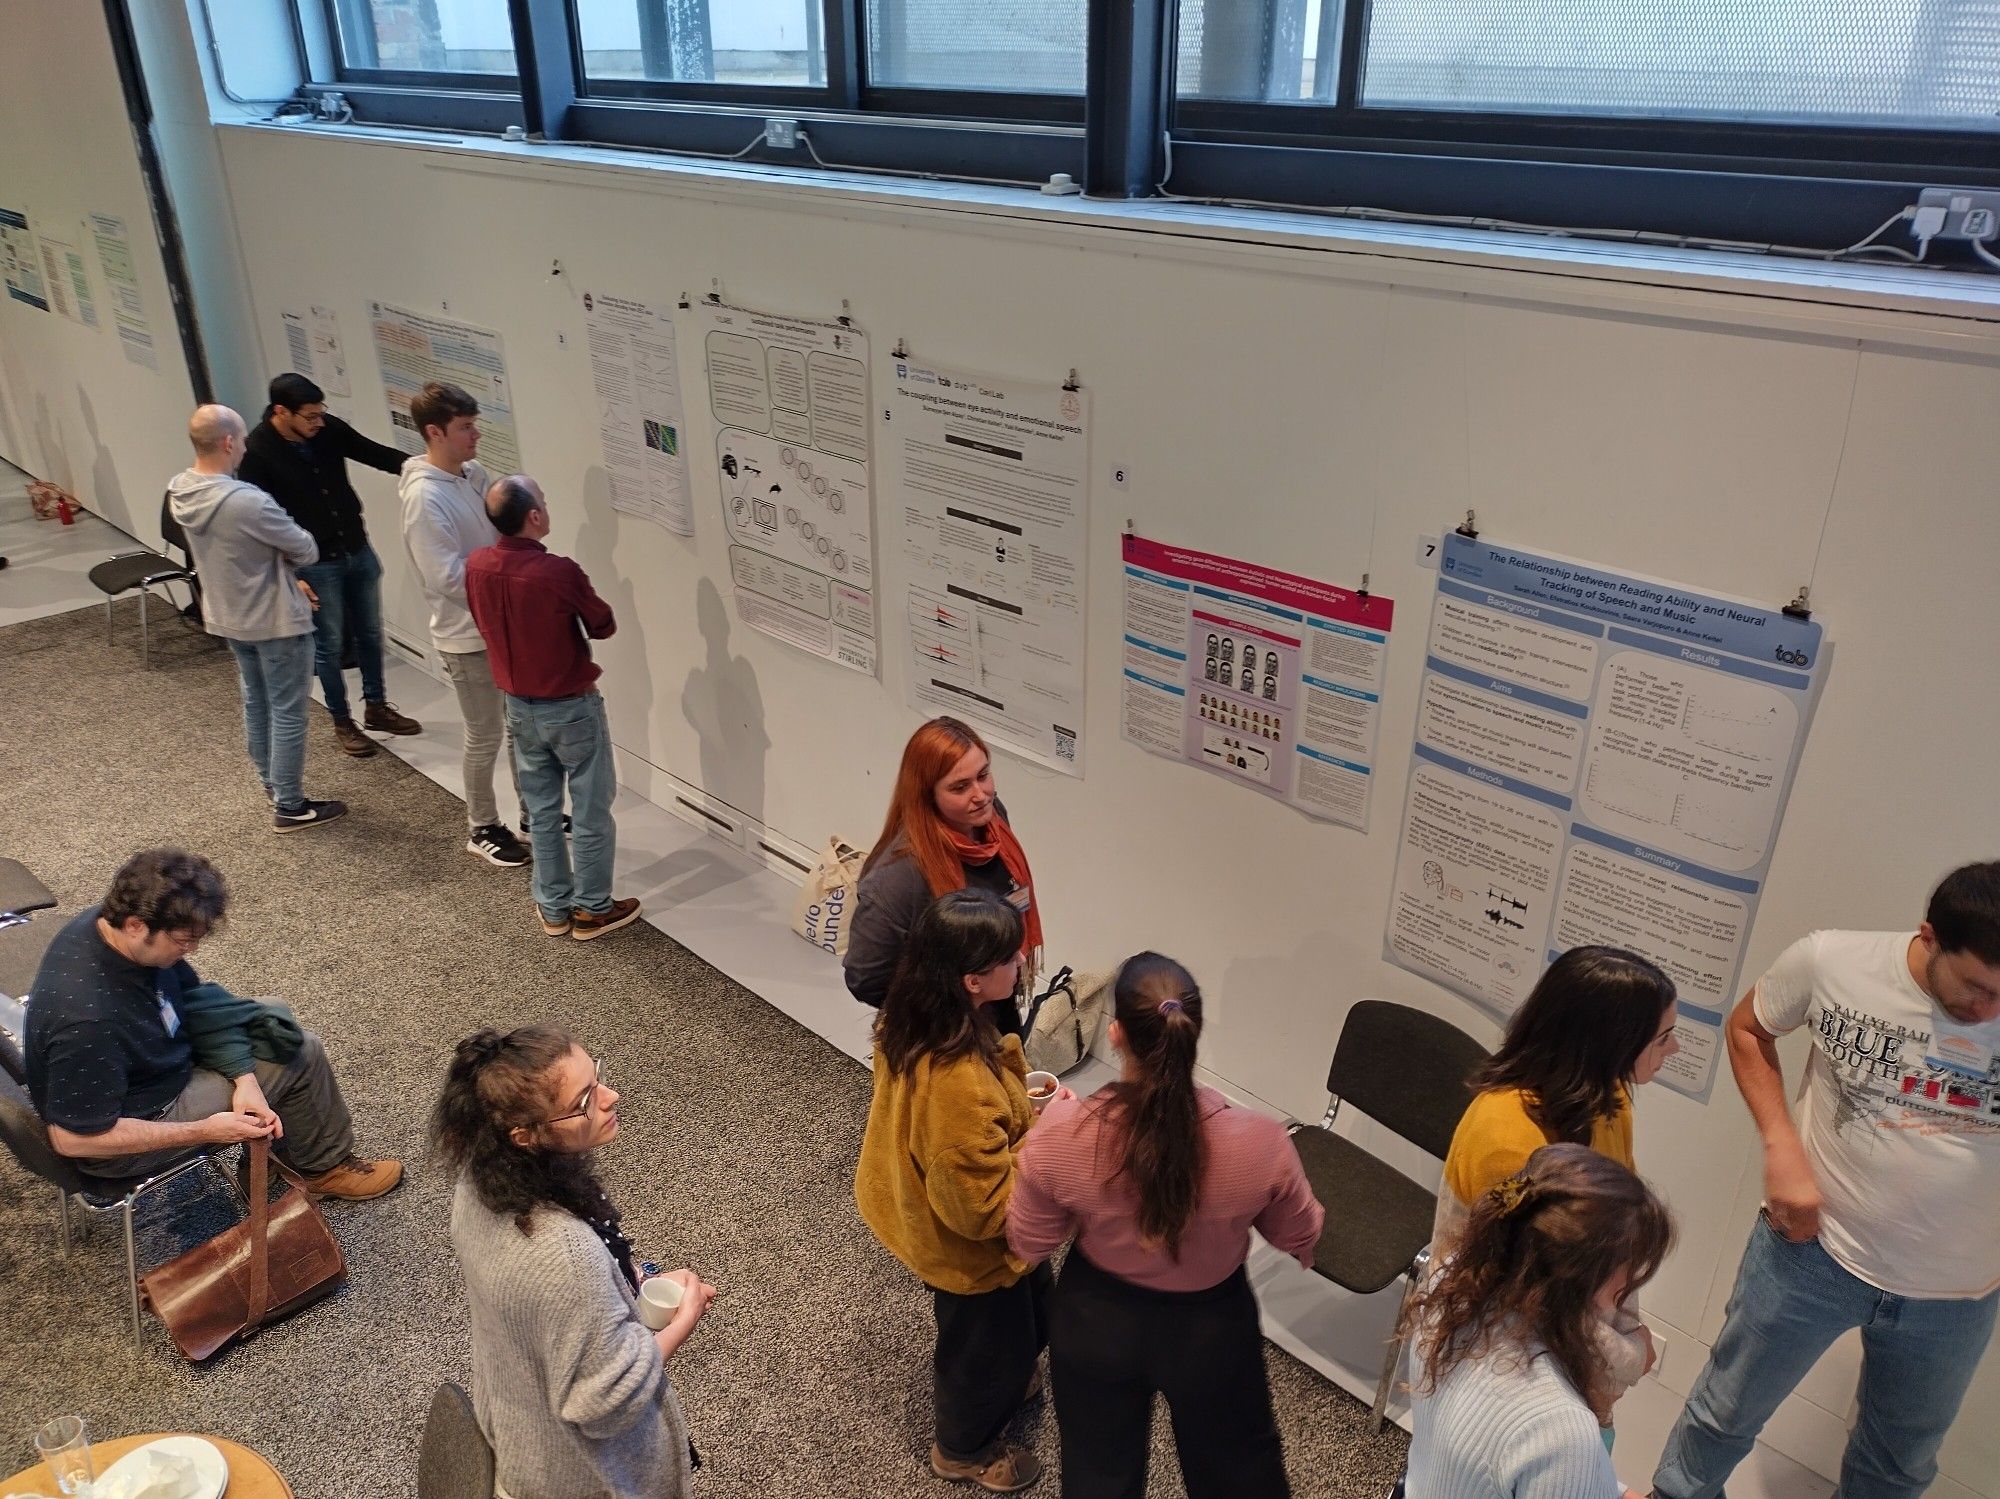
[[250, 1477]]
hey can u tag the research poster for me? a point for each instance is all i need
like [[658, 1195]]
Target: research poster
[[20, 264], [635, 377], [313, 348], [121, 284], [68, 281], [790, 399], [415, 348], [1599, 758], [995, 484], [1264, 677]]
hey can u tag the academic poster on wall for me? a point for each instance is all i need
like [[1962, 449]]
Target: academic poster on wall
[[20, 263], [67, 279], [790, 397], [995, 485], [1264, 677], [312, 344], [415, 348], [1599, 758], [636, 381], [121, 282]]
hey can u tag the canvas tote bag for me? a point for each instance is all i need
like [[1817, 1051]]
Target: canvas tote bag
[[820, 915]]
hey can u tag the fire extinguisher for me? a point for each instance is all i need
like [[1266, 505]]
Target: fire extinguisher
[[66, 510]]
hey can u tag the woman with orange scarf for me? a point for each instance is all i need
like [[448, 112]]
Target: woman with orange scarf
[[946, 831]]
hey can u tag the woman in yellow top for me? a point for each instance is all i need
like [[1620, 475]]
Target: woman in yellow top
[[938, 1168]]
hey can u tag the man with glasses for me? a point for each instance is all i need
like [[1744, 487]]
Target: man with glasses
[[110, 1067]]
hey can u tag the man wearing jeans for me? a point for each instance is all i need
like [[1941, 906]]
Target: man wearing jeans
[[298, 455], [247, 552], [444, 522], [1881, 1202], [534, 611]]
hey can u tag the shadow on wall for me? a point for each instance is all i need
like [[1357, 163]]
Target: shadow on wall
[[725, 707], [106, 495], [598, 543], [48, 441]]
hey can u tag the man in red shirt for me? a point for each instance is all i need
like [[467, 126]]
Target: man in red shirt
[[537, 614]]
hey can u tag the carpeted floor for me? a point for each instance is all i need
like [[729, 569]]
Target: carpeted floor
[[740, 1128]]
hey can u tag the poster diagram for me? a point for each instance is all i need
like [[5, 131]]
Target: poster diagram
[[312, 345], [121, 281], [790, 395], [67, 280], [415, 348], [995, 480], [635, 377], [1262, 676], [1599, 758], [20, 264]]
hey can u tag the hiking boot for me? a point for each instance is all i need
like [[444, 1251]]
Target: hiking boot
[[356, 1179], [384, 719], [496, 845], [1004, 1470], [305, 815], [352, 741], [586, 925], [558, 927]]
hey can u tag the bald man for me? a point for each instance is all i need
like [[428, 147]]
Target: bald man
[[248, 552]]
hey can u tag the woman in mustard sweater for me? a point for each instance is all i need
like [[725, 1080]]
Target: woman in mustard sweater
[[937, 1169]]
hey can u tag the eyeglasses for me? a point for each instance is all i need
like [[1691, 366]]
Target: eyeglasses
[[589, 1096], [185, 944]]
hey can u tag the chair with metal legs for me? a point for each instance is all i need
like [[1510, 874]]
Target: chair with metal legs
[[28, 1138], [1407, 1071]]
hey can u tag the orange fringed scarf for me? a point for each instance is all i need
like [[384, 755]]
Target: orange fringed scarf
[[1008, 847]]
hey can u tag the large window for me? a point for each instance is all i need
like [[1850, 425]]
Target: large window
[[1005, 46], [425, 36], [768, 42]]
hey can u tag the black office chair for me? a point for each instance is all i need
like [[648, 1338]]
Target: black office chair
[[146, 570], [1407, 1071], [454, 1461]]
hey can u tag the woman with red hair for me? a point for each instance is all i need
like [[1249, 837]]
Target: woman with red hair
[[946, 831]]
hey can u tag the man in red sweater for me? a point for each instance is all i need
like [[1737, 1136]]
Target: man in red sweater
[[537, 614]]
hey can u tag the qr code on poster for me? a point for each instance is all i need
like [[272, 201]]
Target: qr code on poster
[[1065, 743]]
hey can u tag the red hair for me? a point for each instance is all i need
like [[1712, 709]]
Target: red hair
[[927, 759]]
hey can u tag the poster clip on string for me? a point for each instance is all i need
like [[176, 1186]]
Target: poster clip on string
[[1469, 530], [715, 290], [1362, 592], [1801, 607], [685, 303], [845, 320], [902, 349], [1071, 383]]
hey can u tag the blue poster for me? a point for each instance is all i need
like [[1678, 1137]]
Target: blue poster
[[20, 269]]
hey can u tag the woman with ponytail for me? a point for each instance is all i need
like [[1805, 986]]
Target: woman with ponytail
[[1512, 1387], [1159, 1182], [568, 1384], [946, 830]]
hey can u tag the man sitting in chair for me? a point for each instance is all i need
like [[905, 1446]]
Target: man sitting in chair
[[111, 1067]]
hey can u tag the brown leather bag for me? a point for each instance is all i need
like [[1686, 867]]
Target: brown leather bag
[[283, 1258]]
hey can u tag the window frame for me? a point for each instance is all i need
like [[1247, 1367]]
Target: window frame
[[438, 81]]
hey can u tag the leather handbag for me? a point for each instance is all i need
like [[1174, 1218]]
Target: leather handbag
[[283, 1258]]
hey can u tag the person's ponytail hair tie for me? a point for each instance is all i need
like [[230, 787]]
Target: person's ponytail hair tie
[[1171, 1006], [480, 1048], [1513, 1194]]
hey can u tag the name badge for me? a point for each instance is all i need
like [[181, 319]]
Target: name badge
[[1020, 898], [1964, 1049], [169, 1016]]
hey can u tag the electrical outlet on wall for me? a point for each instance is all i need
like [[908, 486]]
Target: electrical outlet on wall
[[781, 135], [1967, 214]]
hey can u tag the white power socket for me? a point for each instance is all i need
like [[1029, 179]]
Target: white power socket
[[1967, 214], [783, 135]]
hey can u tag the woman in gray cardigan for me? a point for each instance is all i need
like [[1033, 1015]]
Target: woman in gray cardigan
[[568, 1384]]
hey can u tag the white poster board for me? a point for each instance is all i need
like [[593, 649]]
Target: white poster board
[[312, 345], [995, 491], [635, 379], [415, 348], [20, 263], [68, 280], [790, 397], [121, 281], [1599, 758]]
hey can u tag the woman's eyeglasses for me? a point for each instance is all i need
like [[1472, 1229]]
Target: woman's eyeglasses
[[589, 1096]]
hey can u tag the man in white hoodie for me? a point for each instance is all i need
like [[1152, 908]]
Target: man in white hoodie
[[247, 552], [444, 522]]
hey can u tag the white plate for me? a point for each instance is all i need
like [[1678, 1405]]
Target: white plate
[[211, 1469]]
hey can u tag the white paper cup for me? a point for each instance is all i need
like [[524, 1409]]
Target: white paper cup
[[659, 1299], [1041, 1088]]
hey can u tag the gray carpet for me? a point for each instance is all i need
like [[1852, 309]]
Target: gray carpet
[[740, 1128]]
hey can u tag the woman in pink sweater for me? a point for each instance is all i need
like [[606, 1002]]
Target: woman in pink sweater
[[1160, 1182]]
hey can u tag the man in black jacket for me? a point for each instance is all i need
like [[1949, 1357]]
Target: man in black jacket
[[298, 454]]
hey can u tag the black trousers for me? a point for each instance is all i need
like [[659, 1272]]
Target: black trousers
[[987, 1347], [1113, 1345]]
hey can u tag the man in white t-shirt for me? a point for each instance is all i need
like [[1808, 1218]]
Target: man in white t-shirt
[[1881, 1203]]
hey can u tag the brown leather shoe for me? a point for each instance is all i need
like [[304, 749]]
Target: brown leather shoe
[[588, 925], [356, 1179], [1005, 1470], [352, 741], [384, 719]]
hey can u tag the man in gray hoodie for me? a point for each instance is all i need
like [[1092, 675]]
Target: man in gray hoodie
[[247, 551]]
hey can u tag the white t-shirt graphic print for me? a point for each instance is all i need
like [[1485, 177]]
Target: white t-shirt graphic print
[[1907, 1155]]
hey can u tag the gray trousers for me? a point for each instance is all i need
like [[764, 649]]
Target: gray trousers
[[484, 710], [319, 1135]]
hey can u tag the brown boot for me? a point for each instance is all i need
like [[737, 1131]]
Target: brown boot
[[384, 719], [352, 741], [586, 925], [1004, 1470], [356, 1179]]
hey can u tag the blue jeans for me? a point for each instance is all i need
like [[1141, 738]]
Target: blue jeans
[[1791, 1301], [567, 742], [276, 676], [350, 598]]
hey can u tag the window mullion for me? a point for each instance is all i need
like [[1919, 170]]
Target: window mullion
[[1127, 75], [1353, 39], [843, 52], [546, 65]]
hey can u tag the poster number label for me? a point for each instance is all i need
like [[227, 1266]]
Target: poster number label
[[1427, 552]]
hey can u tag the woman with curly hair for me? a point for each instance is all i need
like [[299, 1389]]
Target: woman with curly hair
[[1512, 1390], [568, 1384]]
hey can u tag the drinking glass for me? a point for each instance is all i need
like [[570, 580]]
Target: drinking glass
[[64, 1444]]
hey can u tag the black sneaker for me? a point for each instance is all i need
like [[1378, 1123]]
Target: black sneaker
[[496, 845], [524, 822], [306, 815]]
